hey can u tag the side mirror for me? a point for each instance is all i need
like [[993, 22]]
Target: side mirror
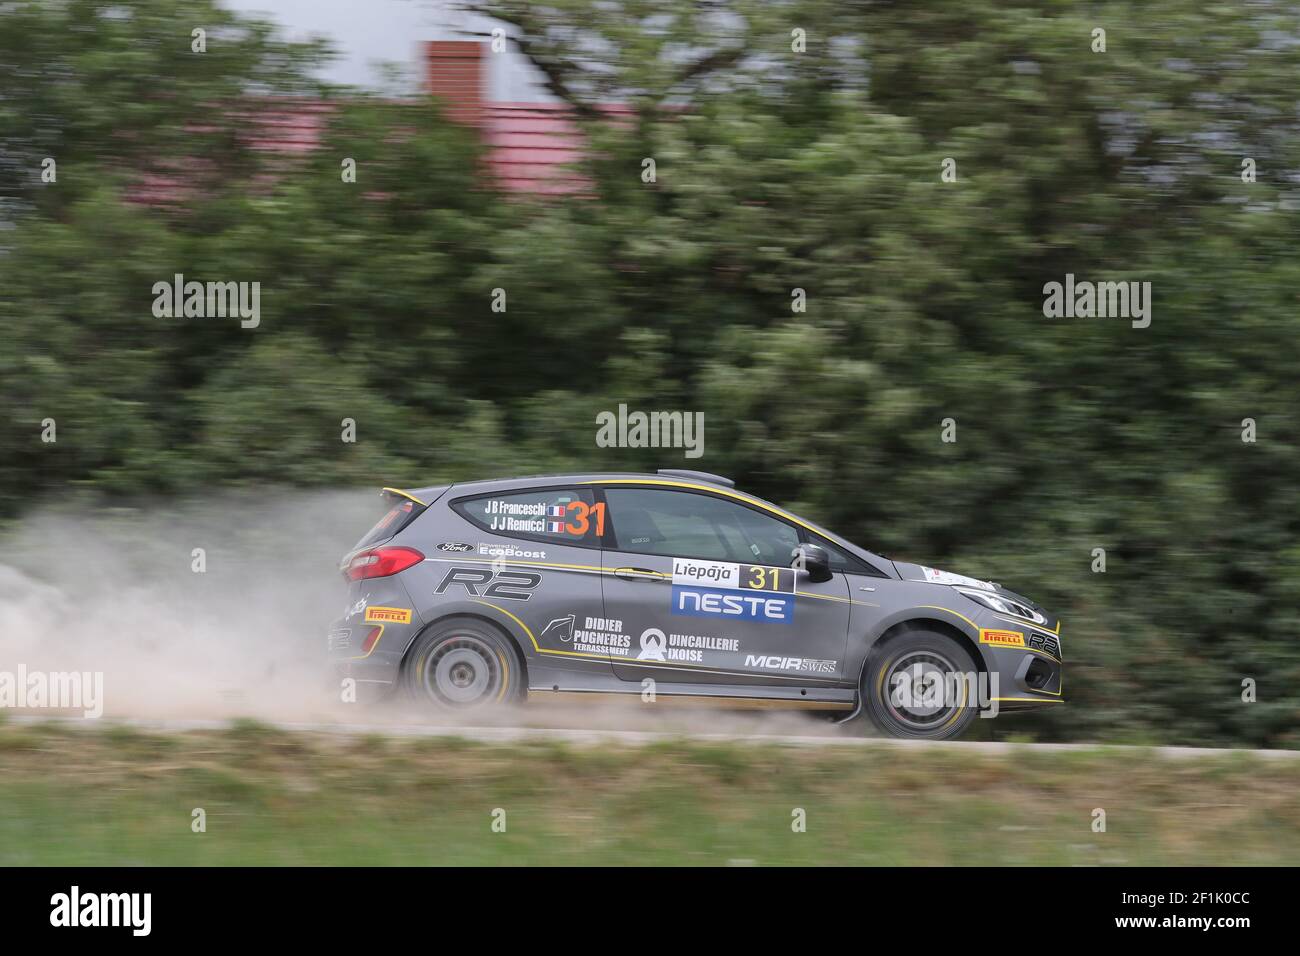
[[813, 560]]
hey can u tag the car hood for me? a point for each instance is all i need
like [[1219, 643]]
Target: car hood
[[919, 572]]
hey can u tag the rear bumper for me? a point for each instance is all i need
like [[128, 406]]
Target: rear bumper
[[358, 675], [355, 688]]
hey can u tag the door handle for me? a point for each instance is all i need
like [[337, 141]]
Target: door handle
[[638, 574]]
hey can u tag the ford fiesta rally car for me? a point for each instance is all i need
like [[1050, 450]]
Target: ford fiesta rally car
[[580, 586]]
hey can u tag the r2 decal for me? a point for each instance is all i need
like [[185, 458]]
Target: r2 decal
[[512, 585]]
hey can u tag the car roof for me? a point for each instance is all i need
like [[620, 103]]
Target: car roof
[[586, 477], [489, 485], [670, 478]]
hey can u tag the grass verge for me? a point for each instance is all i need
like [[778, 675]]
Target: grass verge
[[76, 796]]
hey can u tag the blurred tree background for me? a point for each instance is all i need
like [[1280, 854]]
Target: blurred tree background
[[776, 170]]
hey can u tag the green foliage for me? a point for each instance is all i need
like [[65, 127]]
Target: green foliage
[[776, 170]]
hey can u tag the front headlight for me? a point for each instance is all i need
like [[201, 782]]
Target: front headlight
[[1003, 605]]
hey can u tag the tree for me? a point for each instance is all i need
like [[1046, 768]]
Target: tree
[[777, 169]]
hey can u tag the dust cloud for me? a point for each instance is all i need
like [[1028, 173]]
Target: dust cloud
[[234, 629]]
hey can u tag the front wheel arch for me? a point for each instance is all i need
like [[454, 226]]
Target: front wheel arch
[[924, 624]]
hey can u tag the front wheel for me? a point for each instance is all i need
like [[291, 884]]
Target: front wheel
[[462, 664], [920, 685]]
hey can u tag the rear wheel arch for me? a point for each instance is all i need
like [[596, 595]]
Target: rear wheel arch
[[478, 619]]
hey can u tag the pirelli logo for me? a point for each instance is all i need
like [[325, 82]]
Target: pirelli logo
[[1002, 638], [389, 615]]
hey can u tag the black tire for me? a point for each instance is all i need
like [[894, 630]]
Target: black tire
[[463, 664], [922, 654]]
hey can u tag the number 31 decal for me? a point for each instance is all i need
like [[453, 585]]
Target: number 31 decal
[[579, 515]]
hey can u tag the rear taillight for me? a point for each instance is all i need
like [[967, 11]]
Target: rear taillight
[[380, 562]]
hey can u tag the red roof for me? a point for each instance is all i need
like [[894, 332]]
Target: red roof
[[530, 146], [294, 128]]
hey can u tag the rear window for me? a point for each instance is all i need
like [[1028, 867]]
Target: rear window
[[562, 515], [400, 513]]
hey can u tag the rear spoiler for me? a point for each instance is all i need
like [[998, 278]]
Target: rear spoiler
[[398, 493]]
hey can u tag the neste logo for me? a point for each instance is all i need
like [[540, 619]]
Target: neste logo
[[706, 602]]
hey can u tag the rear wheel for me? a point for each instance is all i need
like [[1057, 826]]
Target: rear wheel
[[920, 685], [462, 664]]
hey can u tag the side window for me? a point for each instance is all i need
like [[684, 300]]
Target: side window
[[682, 524], [562, 515], [841, 560]]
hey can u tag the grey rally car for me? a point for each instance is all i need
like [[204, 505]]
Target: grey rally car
[[673, 587]]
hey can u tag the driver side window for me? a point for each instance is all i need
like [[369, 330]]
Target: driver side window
[[688, 525]]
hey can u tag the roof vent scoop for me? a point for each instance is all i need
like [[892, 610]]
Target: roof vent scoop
[[697, 476]]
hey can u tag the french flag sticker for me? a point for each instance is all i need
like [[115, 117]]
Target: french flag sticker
[[555, 527], [555, 511]]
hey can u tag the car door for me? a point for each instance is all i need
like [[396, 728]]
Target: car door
[[704, 585], [535, 557], [869, 591]]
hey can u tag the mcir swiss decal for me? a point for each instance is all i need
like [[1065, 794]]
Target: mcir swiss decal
[[388, 615], [1002, 638]]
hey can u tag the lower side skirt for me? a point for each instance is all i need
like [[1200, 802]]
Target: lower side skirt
[[687, 700]]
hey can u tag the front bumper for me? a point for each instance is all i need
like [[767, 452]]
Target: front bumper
[[1024, 663]]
